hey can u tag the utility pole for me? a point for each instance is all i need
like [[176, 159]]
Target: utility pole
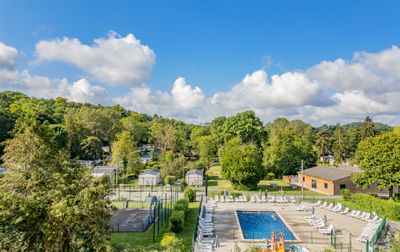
[[302, 179]]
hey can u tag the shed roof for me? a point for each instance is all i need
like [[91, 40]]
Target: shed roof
[[194, 171], [331, 173], [104, 169], [150, 172]]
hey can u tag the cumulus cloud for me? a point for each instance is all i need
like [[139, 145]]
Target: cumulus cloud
[[186, 96], [113, 60], [8, 60], [282, 91]]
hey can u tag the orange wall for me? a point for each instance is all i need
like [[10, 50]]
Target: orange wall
[[320, 185]]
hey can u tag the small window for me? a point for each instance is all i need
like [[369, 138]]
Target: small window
[[304, 179], [313, 183], [326, 185], [342, 186]]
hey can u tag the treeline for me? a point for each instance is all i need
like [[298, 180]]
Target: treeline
[[247, 149]]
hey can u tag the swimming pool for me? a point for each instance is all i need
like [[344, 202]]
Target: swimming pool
[[258, 225]]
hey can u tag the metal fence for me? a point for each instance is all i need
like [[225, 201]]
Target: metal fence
[[371, 245]]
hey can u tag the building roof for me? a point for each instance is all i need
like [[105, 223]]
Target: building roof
[[104, 169], [150, 172], [331, 173], [3, 170], [195, 171]]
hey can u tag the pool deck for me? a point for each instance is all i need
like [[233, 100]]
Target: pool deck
[[227, 227]]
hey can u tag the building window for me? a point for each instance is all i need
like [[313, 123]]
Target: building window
[[326, 185], [304, 179], [313, 183], [342, 186]]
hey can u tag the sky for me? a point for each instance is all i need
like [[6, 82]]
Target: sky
[[318, 61]]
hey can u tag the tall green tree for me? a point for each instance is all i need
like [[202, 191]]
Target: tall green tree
[[353, 138], [367, 128], [322, 143], [48, 204], [339, 145], [288, 144], [207, 150], [379, 159], [246, 126], [242, 164], [91, 148], [125, 152]]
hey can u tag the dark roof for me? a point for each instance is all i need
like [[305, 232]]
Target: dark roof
[[195, 171], [152, 172], [331, 173]]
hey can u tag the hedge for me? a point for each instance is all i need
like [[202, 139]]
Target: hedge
[[190, 193], [181, 207], [177, 221], [170, 180], [184, 201], [388, 208]]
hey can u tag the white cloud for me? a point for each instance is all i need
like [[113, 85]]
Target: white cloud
[[186, 96], [8, 56], [114, 60], [283, 91]]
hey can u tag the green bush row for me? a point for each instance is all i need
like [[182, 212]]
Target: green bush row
[[388, 208], [177, 218], [190, 193]]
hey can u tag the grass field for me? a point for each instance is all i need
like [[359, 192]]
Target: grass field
[[217, 183], [145, 239]]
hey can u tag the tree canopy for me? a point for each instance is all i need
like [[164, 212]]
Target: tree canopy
[[379, 159]]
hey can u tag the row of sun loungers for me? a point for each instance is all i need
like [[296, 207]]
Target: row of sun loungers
[[368, 231], [346, 211], [206, 240], [254, 199], [320, 224]]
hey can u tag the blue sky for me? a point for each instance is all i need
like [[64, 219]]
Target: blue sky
[[214, 45]]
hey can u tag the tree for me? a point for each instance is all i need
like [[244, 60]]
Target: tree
[[207, 150], [367, 128], [339, 145], [124, 151], [322, 143], [91, 148], [172, 164], [48, 204], [241, 164], [353, 138], [246, 125], [379, 159], [288, 144], [164, 136]]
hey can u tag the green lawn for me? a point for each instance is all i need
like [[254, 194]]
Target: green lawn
[[145, 239], [217, 183], [121, 204]]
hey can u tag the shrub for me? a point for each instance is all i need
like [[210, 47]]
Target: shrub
[[346, 195], [181, 207], [270, 176], [235, 194], [184, 202], [171, 243], [170, 180], [199, 165], [254, 249], [190, 193], [177, 221], [388, 208]]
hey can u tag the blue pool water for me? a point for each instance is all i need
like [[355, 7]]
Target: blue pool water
[[259, 225]]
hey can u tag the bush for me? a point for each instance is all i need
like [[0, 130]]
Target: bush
[[388, 208], [181, 207], [346, 195], [199, 165], [170, 180], [177, 221], [190, 193], [270, 176], [171, 243], [235, 194], [184, 202]]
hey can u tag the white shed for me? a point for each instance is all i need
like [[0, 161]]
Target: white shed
[[150, 177], [194, 177]]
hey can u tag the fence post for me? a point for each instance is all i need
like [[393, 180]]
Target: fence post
[[367, 246], [349, 242]]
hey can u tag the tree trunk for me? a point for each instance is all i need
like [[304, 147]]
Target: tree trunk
[[391, 192]]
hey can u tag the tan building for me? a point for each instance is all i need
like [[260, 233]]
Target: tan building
[[330, 180]]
